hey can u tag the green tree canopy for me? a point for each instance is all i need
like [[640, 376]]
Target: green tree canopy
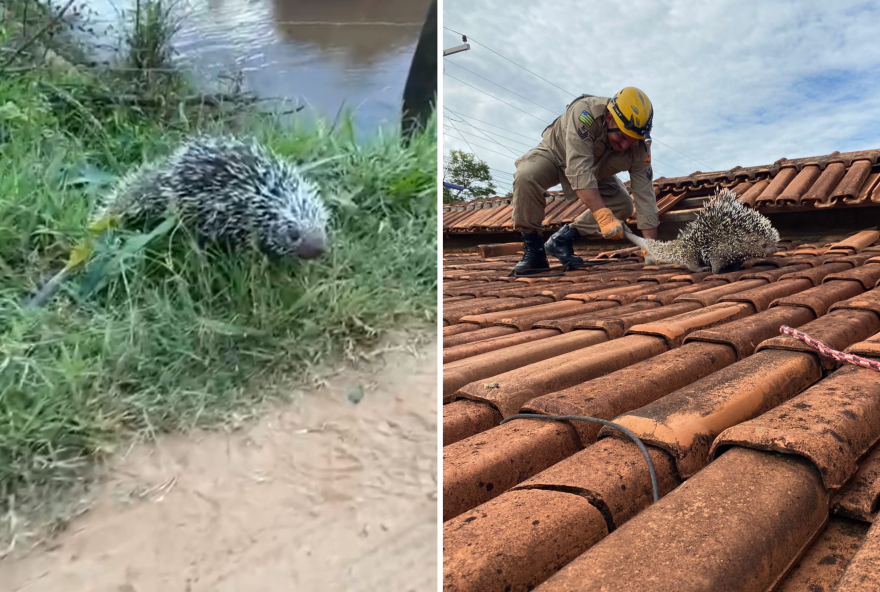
[[469, 171]]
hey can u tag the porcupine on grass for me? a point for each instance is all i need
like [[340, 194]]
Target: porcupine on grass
[[228, 192], [724, 235]]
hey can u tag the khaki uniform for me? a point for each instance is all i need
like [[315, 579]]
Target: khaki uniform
[[574, 152]]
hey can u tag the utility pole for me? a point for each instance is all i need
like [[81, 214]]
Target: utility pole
[[458, 48], [448, 52]]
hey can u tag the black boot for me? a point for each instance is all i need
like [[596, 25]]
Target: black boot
[[534, 258], [561, 246]]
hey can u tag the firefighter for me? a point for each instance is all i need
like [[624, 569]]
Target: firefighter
[[584, 149]]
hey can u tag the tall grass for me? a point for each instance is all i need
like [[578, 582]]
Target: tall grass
[[163, 339], [149, 51]]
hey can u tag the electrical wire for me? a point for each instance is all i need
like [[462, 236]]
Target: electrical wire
[[504, 88], [509, 60], [462, 115], [566, 91], [501, 184], [479, 146], [461, 121], [448, 159], [508, 148], [494, 97], [462, 137], [518, 109], [654, 486]]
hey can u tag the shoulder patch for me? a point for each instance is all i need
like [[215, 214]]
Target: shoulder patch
[[586, 118], [648, 160]]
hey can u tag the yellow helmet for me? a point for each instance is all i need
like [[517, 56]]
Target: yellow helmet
[[633, 112]]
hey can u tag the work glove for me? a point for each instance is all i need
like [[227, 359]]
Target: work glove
[[649, 259], [609, 226]]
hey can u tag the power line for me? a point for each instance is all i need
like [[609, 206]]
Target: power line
[[494, 97], [486, 122], [462, 137], [668, 165], [503, 88], [511, 61], [481, 138], [653, 158], [685, 155], [511, 150], [483, 147], [496, 171], [469, 144], [502, 185], [494, 133], [518, 109], [571, 93], [448, 159]]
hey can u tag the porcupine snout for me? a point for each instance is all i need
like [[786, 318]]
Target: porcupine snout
[[300, 227], [313, 245], [290, 238]]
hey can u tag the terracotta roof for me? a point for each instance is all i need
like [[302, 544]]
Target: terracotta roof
[[836, 180], [766, 453]]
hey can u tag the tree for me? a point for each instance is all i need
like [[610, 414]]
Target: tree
[[466, 169]]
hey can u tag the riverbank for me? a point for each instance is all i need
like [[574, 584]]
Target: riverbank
[[171, 343]]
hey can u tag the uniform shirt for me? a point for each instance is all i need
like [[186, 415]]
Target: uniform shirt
[[577, 141]]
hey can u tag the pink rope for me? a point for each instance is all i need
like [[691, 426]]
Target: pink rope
[[827, 351]]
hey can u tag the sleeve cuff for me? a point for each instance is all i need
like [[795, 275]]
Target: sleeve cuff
[[583, 181]]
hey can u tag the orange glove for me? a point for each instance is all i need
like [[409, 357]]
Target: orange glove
[[609, 226]]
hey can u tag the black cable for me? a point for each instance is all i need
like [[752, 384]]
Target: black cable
[[448, 160], [480, 146], [554, 111], [604, 422], [514, 152], [566, 91], [494, 97], [686, 156], [539, 119], [499, 185], [511, 61], [485, 131], [462, 137], [463, 116], [508, 148]]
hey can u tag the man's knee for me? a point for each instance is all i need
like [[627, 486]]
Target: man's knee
[[533, 169], [526, 190], [533, 176]]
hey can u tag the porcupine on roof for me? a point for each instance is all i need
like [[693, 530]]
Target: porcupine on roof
[[228, 191], [724, 235]]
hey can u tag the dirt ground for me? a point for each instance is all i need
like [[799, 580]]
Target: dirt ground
[[319, 494]]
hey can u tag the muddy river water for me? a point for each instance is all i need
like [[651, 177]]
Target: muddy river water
[[320, 53]]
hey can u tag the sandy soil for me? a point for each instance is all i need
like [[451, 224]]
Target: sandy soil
[[320, 494]]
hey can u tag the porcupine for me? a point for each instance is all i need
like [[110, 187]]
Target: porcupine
[[229, 192], [724, 235]]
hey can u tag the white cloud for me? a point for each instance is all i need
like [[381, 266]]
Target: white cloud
[[733, 83]]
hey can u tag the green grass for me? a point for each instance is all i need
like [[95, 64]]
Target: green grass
[[173, 337]]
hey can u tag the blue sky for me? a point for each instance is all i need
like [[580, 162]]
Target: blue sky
[[733, 83]]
